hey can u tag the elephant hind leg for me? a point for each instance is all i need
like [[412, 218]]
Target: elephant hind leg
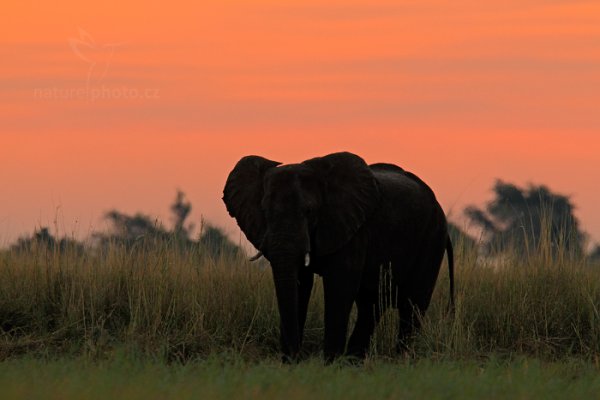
[[409, 322], [417, 292], [369, 314]]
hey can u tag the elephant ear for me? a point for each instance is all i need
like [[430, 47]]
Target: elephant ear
[[243, 193], [350, 196]]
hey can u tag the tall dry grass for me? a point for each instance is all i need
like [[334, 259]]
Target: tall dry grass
[[176, 305], [154, 297]]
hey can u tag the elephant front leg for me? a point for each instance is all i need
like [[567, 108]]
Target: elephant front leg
[[305, 284], [340, 289]]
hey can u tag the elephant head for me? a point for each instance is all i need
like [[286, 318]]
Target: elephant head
[[297, 211]]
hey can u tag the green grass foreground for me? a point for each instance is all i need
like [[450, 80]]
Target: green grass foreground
[[231, 378]]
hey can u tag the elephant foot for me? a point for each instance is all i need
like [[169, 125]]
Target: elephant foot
[[354, 361], [405, 350], [344, 361], [288, 359], [357, 353]]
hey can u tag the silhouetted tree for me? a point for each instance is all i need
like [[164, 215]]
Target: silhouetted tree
[[181, 209], [126, 230], [129, 228], [520, 218], [43, 239]]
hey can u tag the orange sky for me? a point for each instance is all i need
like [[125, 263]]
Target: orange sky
[[459, 92]]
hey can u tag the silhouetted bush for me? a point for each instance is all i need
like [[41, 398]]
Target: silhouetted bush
[[43, 239], [517, 218], [127, 230]]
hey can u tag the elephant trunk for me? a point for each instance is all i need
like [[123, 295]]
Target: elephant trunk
[[286, 289]]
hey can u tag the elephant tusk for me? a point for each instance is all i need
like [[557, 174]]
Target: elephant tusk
[[256, 257], [307, 259]]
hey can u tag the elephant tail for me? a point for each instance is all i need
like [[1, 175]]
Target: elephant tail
[[450, 252]]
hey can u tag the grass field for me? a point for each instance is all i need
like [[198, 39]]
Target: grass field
[[231, 378], [155, 321]]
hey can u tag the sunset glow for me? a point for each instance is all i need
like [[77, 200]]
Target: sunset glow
[[114, 105]]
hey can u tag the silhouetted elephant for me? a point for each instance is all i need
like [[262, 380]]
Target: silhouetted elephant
[[342, 219]]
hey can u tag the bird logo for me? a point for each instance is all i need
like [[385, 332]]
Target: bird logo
[[97, 56]]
